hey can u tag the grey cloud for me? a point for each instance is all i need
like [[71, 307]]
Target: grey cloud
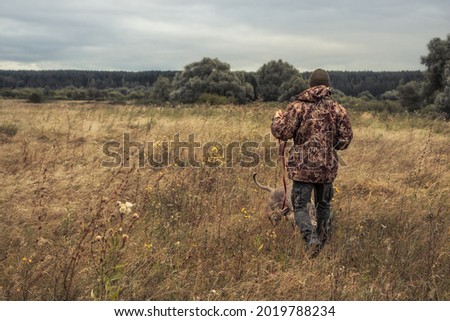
[[142, 35]]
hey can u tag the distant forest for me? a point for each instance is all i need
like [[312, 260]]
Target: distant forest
[[351, 83], [58, 79]]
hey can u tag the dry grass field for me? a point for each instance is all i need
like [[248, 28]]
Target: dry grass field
[[202, 233]]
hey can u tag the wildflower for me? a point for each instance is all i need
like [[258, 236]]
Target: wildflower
[[336, 190], [214, 149], [177, 243], [122, 208], [148, 246], [245, 211], [98, 238], [135, 216], [26, 260], [125, 208]]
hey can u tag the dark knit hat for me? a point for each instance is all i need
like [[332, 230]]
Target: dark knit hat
[[319, 77]]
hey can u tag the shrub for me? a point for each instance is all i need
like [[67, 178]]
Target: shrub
[[366, 95], [410, 96], [442, 101], [390, 95], [35, 98], [212, 99]]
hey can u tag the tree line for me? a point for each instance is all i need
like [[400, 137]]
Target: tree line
[[212, 81], [265, 82], [58, 79]]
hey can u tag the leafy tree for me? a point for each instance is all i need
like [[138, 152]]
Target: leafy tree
[[291, 88], [277, 81], [249, 84], [437, 61], [442, 101], [390, 95], [437, 76], [366, 95], [210, 76], [161, 89], [410, 96]]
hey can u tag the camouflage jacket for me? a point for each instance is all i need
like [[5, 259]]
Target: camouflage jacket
[[319, 126]]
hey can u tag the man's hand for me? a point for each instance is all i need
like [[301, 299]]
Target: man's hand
[[279, 113]]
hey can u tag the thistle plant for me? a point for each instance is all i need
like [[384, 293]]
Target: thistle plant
[[108, 249]]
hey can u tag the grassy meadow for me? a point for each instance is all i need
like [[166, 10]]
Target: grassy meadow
[[203, 233]]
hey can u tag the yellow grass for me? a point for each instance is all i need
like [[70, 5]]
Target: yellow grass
[[203, 233]]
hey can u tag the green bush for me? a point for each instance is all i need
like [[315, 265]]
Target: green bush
[[366, 95], [212, 99], [410, 96], [279, 81], [35, 98], [390, 95], [379, 106]]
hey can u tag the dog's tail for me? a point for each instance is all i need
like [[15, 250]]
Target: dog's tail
[[264, 187]]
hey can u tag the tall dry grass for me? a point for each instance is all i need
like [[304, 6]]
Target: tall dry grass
[[203, 233]]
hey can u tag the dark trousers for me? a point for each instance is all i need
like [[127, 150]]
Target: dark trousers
[[301, 197]]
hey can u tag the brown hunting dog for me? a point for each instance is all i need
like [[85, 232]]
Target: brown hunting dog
[[275, 203]]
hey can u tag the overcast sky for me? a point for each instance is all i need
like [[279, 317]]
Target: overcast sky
[[140, 35]]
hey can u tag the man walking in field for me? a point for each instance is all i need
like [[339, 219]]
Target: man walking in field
[[319, 126]]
